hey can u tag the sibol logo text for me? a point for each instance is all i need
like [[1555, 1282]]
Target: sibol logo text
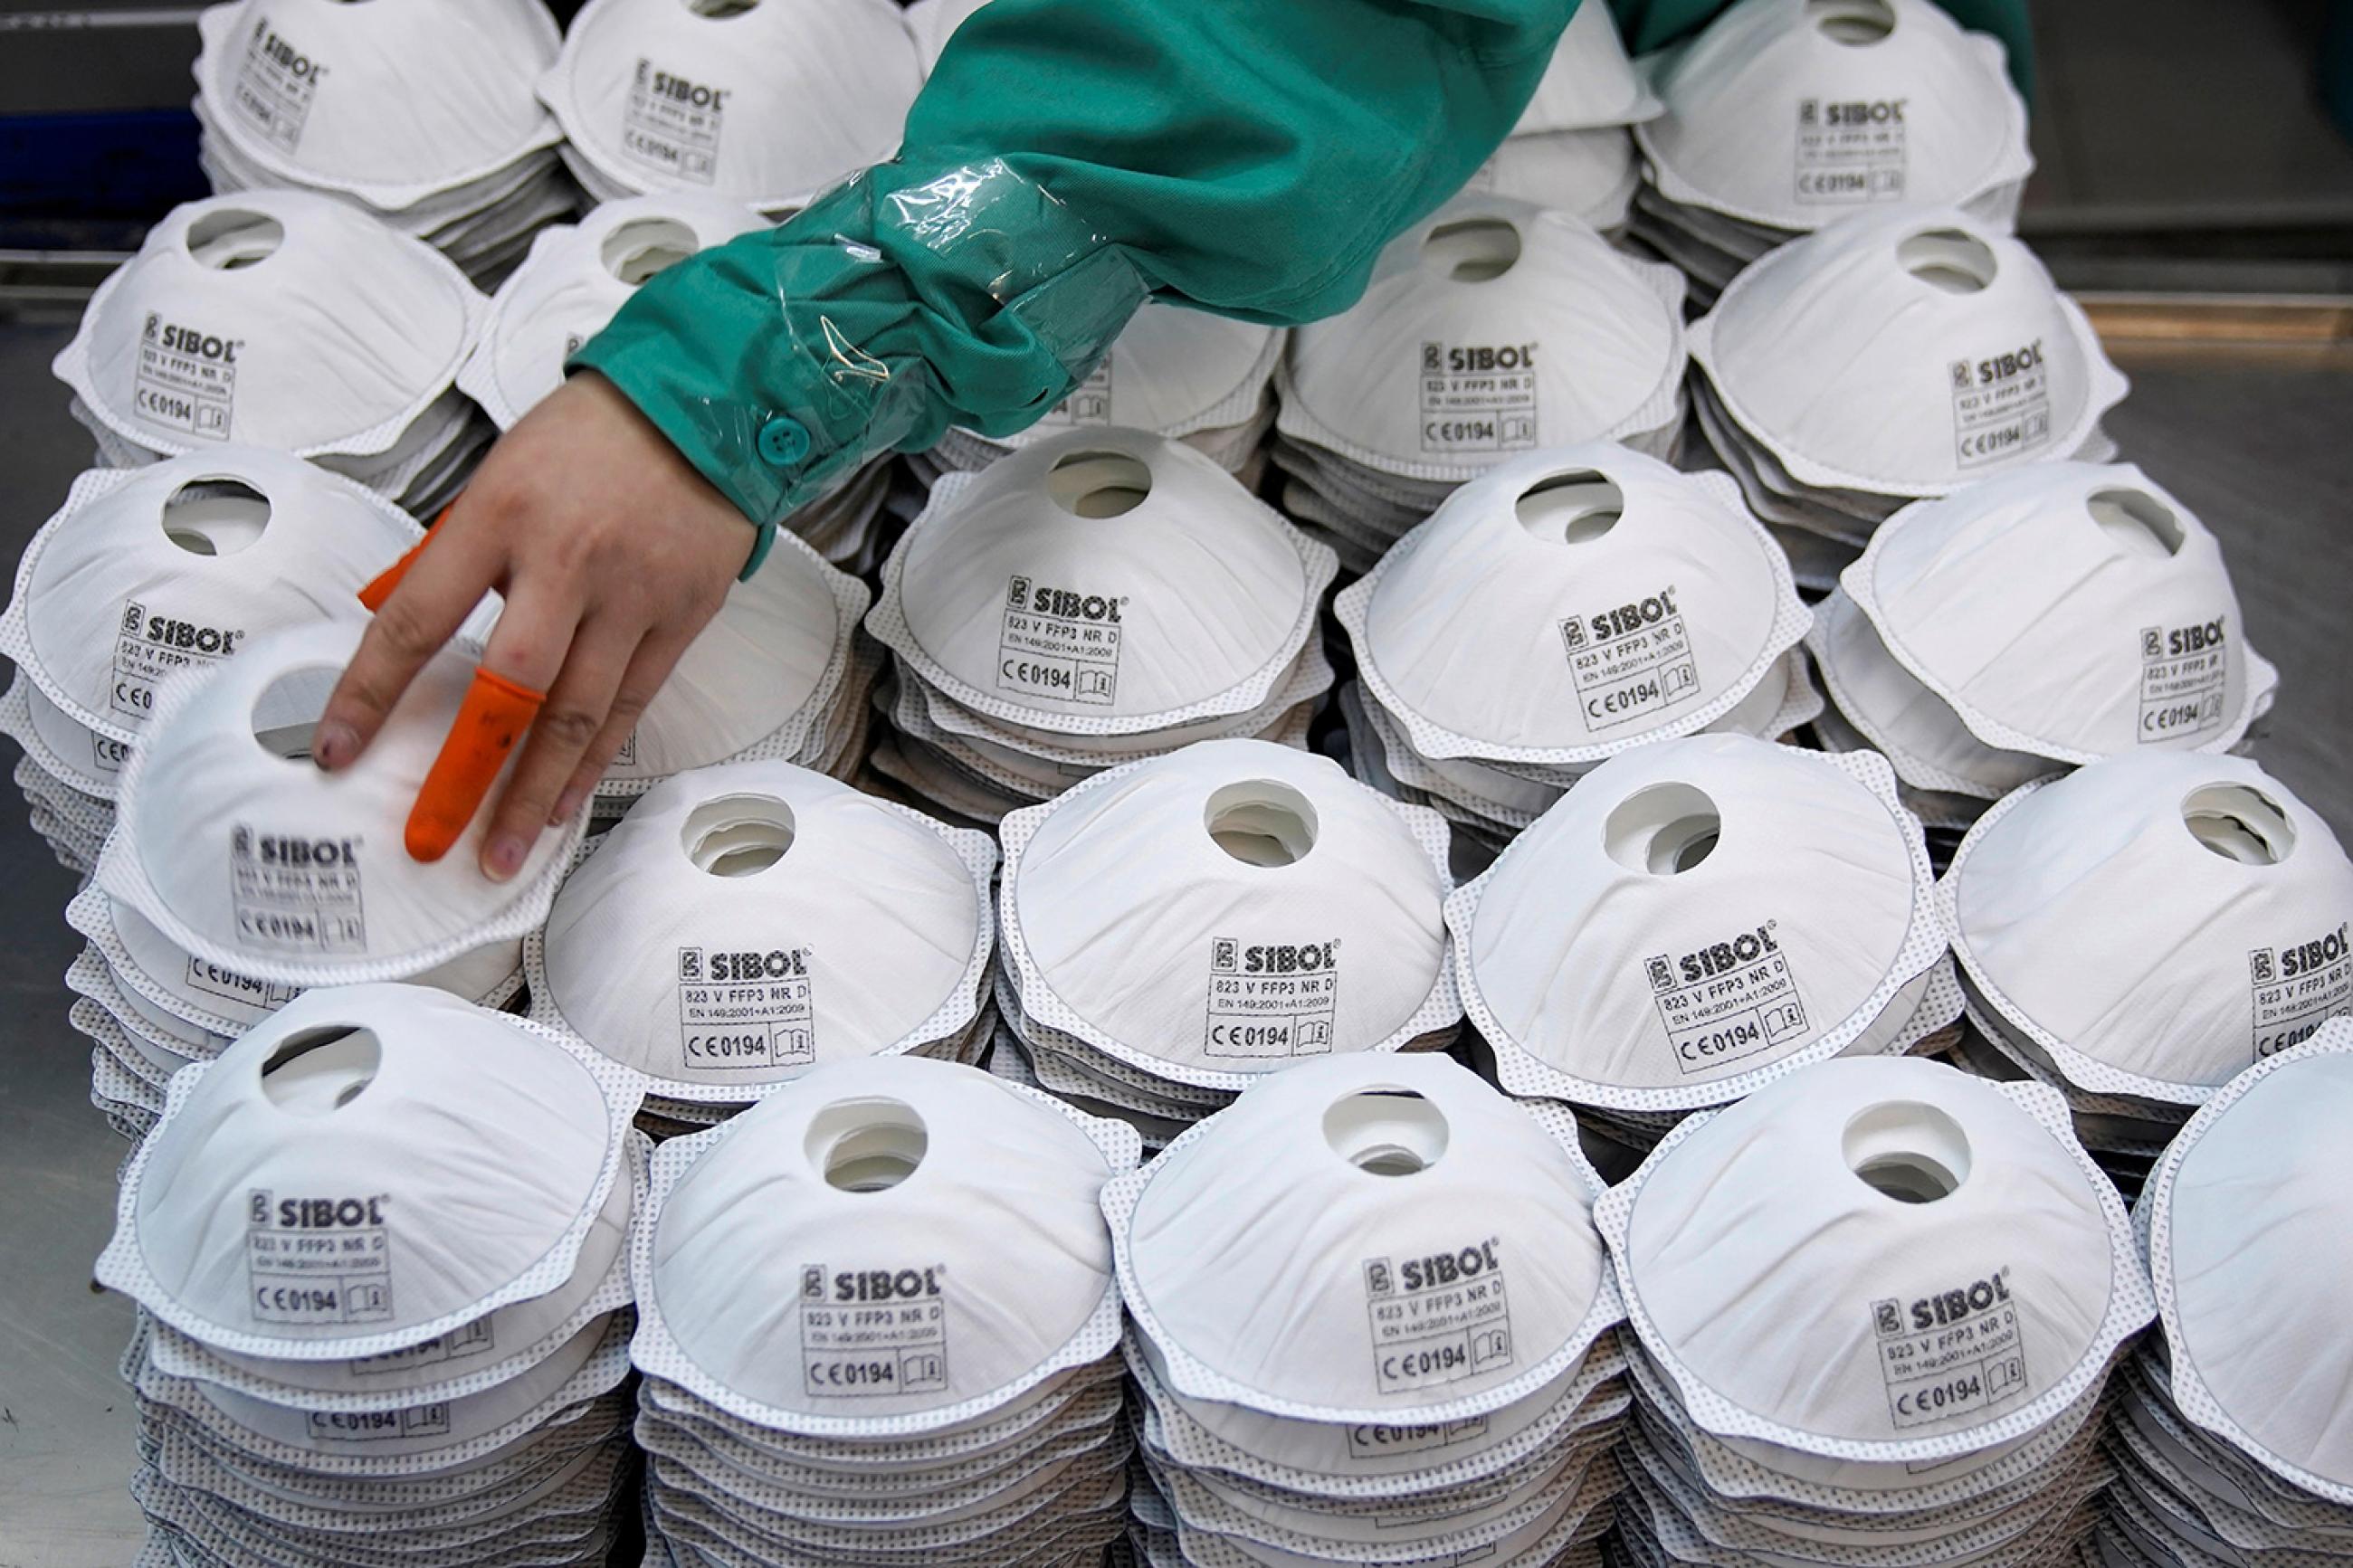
[[285, 55], [271, 849], [162, 631], [2306, 957], [1633, 617], [886, 1284], [1063, 604], [1946, 1308], [1441, 1268], [2184, 640], [1864, 112], [1722, 957], [678, 89], [193, 342], [2017, 362], [777, 963], [1301, 958], [318, 1214], [1465, 358]]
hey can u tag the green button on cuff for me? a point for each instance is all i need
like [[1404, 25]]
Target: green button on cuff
[[784, 441]]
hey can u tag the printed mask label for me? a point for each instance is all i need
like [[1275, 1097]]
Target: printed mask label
[[149, 647], [467, 1340], [672, 125], [745, 1010], [2001, 406], [1060, 644], [2299, 988], [1088, 402], [275, 84], [1727, 1001], [1850, 152], [107, 755], [1271, 999], [1478, 397], [318, 1259], [185, 379], [2185, 672], [1369, 1441], [1956, 1353], [376, 1425], [873, 1331], [292, 894], [230, 986], [1438, 1319], [1630, 661]]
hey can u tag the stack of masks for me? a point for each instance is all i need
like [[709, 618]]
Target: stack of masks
[[1492, 328], [2229, 1438], [1571, 149], [1177, 929], [1783, 116], [381, 1251], [2139, 931], [1696, 919], [1892, 357], [1565, 607], [745, 924], [1098, 597], [2029, 623], [781, 673], [879, 1326], [286, 320], [1370, 1323], [1874, 1308], [419, 112], [1207, 380], [764, 104]]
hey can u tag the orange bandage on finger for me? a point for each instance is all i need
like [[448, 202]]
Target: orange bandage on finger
[[495, 716], [373, 595]]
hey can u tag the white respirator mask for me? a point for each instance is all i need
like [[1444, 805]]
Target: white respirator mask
[[574, 281], [1490, 327], [1904, 353], [2069, 611], [2154, 923], [1699, 918], [1589, 82], [768, 104], [745, 923], [242, 851], [277, 318], [1794, 113], [961, 1207], [1591, 174], [398, 1162]]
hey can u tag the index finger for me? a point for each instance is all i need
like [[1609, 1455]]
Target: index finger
[[440, 584]]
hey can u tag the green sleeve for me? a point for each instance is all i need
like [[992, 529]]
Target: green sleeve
[[1066, 159], [1648, 25]]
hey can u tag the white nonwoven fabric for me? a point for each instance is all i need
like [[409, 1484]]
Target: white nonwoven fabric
[[744, 923], [1490, 327], [1793, 113], [1696, 919], [1591, 174], [1227, 912], [1288, 1253], [242, 851], [962, 1206], [389, 103], [2155, 922], [1939, 1268], [2068, 610], [1570, 604], [371, 1167], [280, 319], [766, 103], [142, 573], [575, 278], [1904, 353], [1590, 82]]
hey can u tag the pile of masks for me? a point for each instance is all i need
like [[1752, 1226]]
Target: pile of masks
[[1564, 608], [2029, 623], [764, 104], [1780, 119], [745, 924], [1571, 149], [1874, 1309], [1098, 597], [2229, 1436], [1190, 376], [419, 113], [285, 320], [1178, 928], [380, 1249], [879, 1324], [1491, 329], [1699, 919], [1370, 1323], [1889, 358], [2138, 932]]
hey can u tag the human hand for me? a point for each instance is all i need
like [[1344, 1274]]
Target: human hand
[[611, 552]]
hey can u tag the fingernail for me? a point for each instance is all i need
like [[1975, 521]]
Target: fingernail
[[505, 857], [565, 804], [333, 744]]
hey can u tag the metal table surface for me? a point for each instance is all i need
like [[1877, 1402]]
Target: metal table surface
[[2253, 440]]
